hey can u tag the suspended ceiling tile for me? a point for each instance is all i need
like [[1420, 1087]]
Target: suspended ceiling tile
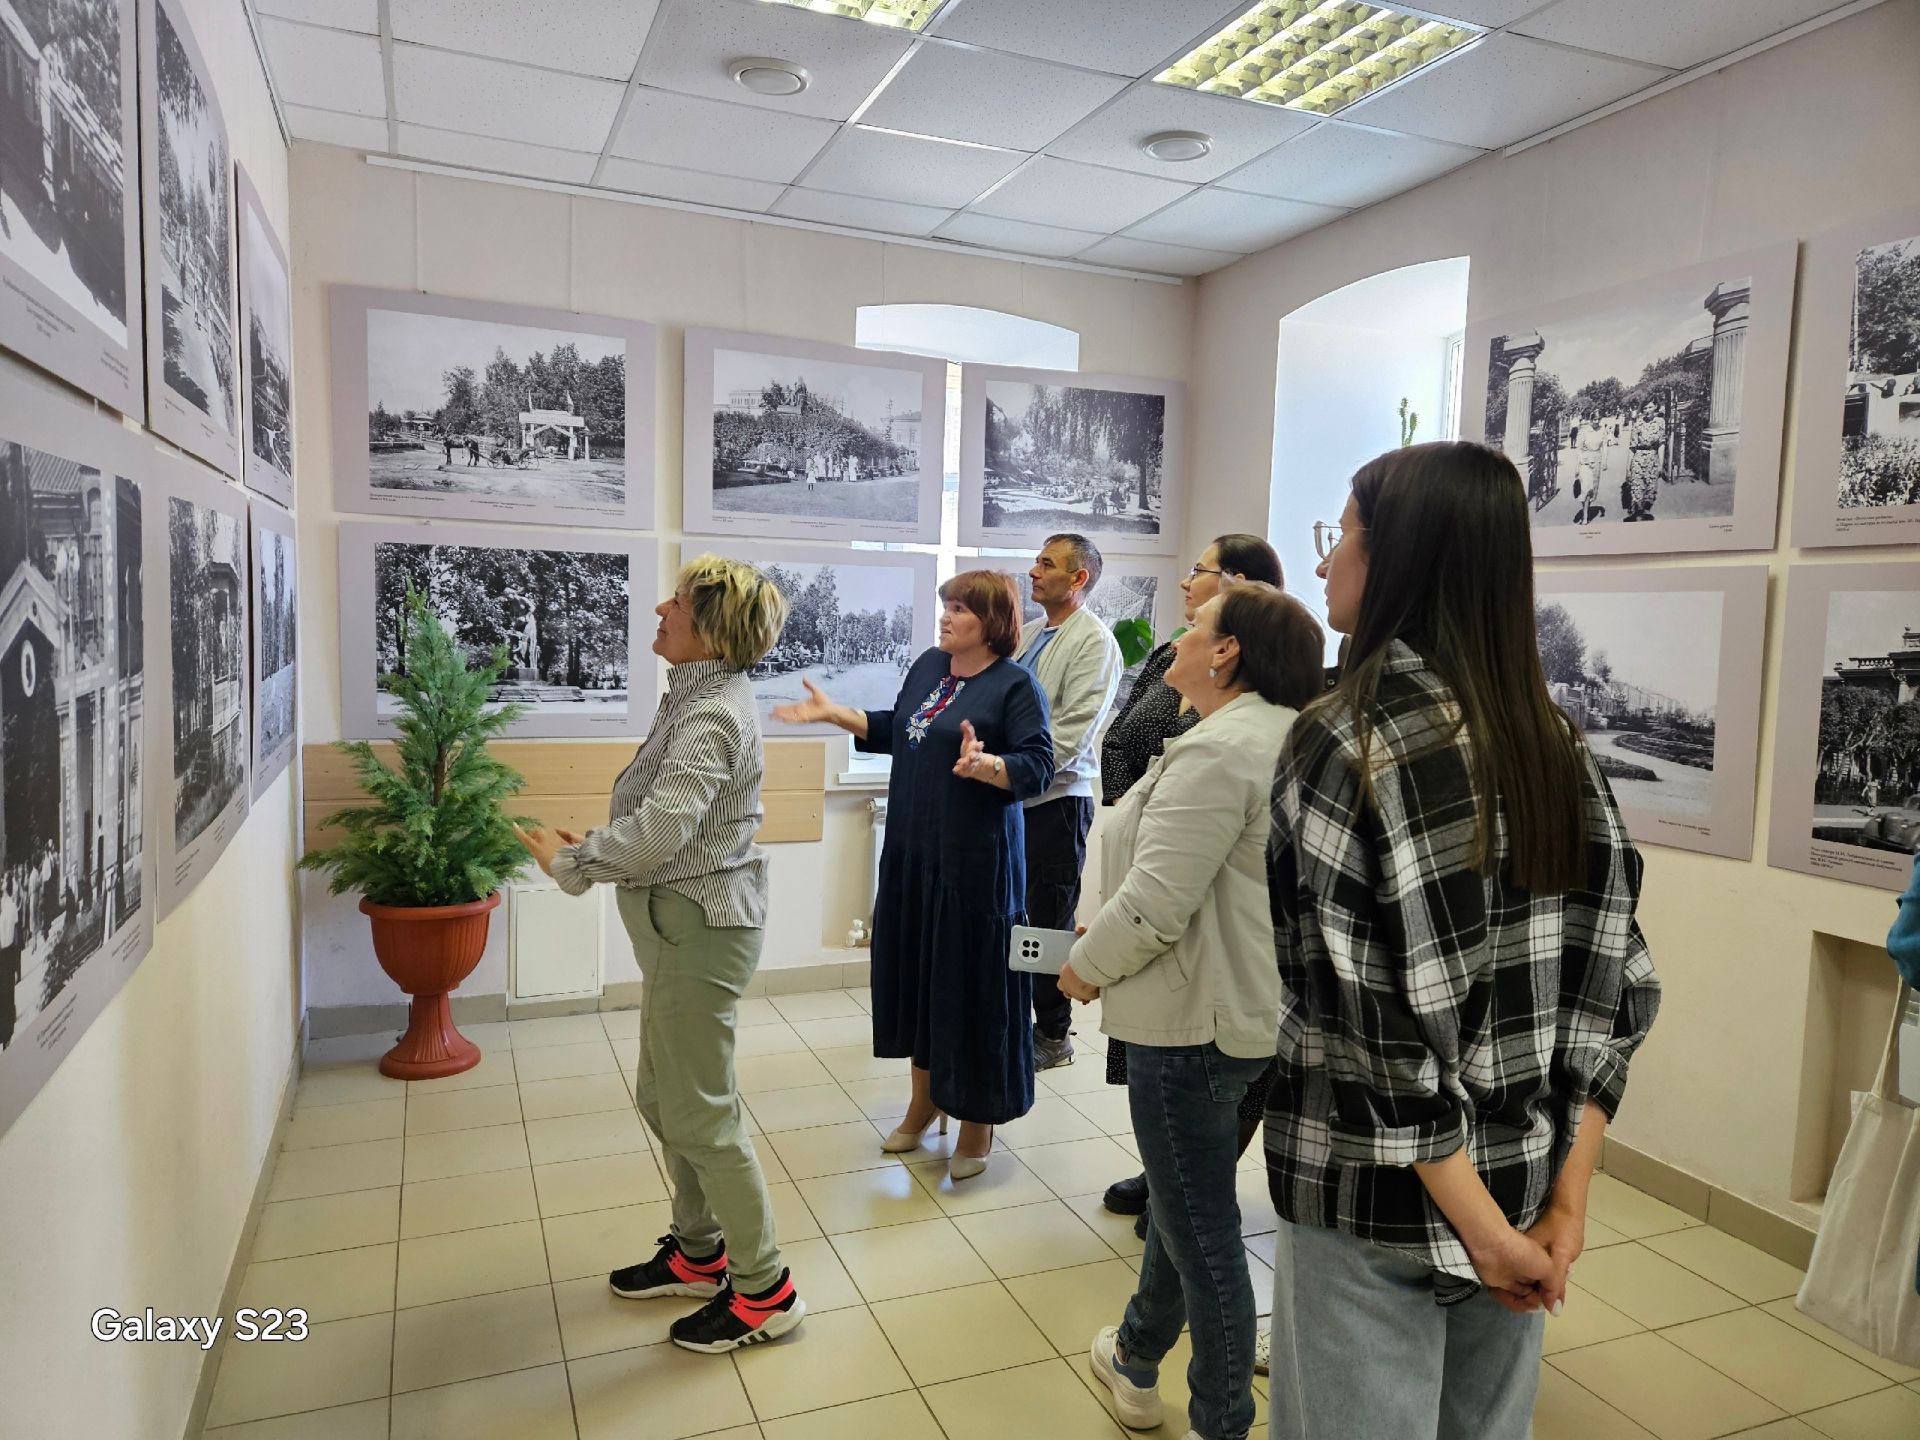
[[910, 169], [694, 186], [1239, 129], [584, 37], [1335, 164], [1215, 219], [331, 69], [1122, 37], [329, 127], [1017, 237], [860, 212], [989, 98], [1488, 14], [1664, 33], [509, 102], [1501, 90], [689, 132], [694, 40], [505, 157], [1079, 197], [360, 15], [1130, 254]]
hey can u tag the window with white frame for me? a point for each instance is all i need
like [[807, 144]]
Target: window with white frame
[[1450, 396]]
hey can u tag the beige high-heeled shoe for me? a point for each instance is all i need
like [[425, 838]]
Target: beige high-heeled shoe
[[903, 1139], [965, 1167]]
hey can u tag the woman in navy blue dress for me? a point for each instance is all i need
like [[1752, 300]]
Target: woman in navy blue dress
[[969, 739]]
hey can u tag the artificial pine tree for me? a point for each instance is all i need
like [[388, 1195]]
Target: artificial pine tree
[[437, 831]]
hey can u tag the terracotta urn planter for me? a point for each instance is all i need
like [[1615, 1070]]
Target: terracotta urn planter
[[427, 951]]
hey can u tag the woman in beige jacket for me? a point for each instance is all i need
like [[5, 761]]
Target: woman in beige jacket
[[1182, 954]]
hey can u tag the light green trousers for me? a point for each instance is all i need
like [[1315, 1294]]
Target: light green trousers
[[692, 974]]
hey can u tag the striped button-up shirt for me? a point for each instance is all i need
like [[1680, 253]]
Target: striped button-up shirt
[[685, 811]]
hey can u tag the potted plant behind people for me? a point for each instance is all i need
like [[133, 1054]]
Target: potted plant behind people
[[430, 850]]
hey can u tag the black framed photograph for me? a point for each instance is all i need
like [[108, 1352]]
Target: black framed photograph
[[276, 613], [266, 328]]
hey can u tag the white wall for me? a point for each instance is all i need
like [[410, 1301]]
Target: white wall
[[1777, 147], [364, 225], [127, 1180]]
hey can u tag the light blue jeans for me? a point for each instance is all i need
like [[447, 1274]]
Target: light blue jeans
[[1360, 1349]]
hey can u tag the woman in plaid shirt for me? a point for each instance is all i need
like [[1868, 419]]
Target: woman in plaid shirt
[[1453, 898]]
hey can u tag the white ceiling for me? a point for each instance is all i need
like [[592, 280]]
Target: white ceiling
[[1008, 125]]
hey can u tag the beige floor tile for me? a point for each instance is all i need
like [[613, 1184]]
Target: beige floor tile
[[575, 1095], [1567, 1411], [1030, 1238], [463, 1110], [884, 1098], [489, 1035], [867, 1199], [754, 1074], [1046, 1399], [598, 1184], [348, 1050], [657, 1392], [345, 1085], [434, 1268], [562, 1062], [1111, 1109], [1786, 1310], [595, 1321], [858, 1062], [1078, 1166], [1260, 1275], [340, 1361], [756, 1011], [817, 1005], [467, 1152], [596, 1242], [466, 1339], [334, 1286], [1257, 1215], [328, 1222], [1598, 1235], [467, 1202], [776, 1039], [910, 1260], [830, 1150], [620, 1024], [582, 1137], [335, 1169], [804, 1107], [771, 1170], [366, 1420], [1664, 1389], [837, 1034], [1780, 1430], [1633, 1214], [1774, 1360], [863, 997], [1586, 1320], [1005, 1182], [1132, 1146], [792, 1219], [1733, 1265], [522, 1404], [1069, 1306], [346, 1124], [1117, 1230], [626, 1053], [823, 1280], [556, 1030], [955, 1333], [1650, 1288], [1087, 1078], [1885, 1415], [495, 1068], [891, 1417], [832, 1359], [1051, 1121]]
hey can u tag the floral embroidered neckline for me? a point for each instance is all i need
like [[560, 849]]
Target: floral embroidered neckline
[[938, 699]]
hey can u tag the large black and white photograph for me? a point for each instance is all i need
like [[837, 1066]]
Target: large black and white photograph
[[1043, 451], [71, 660], [192, 358], [1646, 418], [1128, 591], [207, 609], [276, 610], [562, 610], [69, 194], [462, 409], [266, 326], [1859, 430], [1659, 669], [804, 440], [1847, 773]]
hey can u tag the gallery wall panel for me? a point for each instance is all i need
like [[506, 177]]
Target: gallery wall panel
[[266, 350], [574, 610], [76, 891], [1654, 409], [274, 575], [1856, 467], [470, 410], [70, 196]]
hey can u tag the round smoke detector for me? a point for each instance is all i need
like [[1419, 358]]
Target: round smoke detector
[[764, 76], [1175, 146]]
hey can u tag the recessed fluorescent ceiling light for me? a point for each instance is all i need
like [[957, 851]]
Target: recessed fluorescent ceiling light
[[1315, 57], [900, 14]]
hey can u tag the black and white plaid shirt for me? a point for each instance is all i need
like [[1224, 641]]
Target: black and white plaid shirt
[[1428, 1007]]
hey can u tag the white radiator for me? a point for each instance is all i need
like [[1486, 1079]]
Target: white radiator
[[877, 812], [1909, 1071], [554, 951]]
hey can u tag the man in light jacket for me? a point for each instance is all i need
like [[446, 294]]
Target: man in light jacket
[[1077, 663]]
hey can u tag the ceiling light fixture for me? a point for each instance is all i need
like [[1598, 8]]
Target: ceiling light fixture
[[1176, 146], [1314, 57], [898, 14], [765, 76]]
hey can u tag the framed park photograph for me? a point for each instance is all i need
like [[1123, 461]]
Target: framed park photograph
[[266, 355], [803, 440], [856, 620], [187, 195], [70, 195], [76, 899], [1846, 769], [1130, 588], [1856, 469], [1660, 669], [1043, 451], [572, 610], [464, 409], [276, 610], [1645, 418]]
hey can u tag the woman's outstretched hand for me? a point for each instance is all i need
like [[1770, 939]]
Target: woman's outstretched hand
[[974, 762], [817, 709]]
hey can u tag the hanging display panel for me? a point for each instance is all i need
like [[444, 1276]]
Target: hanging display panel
[[276, 609], [266, 330], [1645, 418], [464, 409]]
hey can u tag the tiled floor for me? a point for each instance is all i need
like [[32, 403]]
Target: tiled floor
[[450, 1240]]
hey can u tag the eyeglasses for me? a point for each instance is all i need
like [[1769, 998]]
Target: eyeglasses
[[1198, 570], [1327, 538]]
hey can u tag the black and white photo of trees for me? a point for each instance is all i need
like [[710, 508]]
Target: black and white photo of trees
[[267, 317], [1867, 786], [206, 599], [1880, 423], [1066, 457], [275, 617]]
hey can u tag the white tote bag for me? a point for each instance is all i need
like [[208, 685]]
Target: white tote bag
[[1860, 1281]]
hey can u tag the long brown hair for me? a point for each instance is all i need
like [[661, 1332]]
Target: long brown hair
[[1450, 572]]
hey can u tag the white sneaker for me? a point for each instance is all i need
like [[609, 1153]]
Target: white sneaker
[[1138, 1409], [1262, 1352]]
